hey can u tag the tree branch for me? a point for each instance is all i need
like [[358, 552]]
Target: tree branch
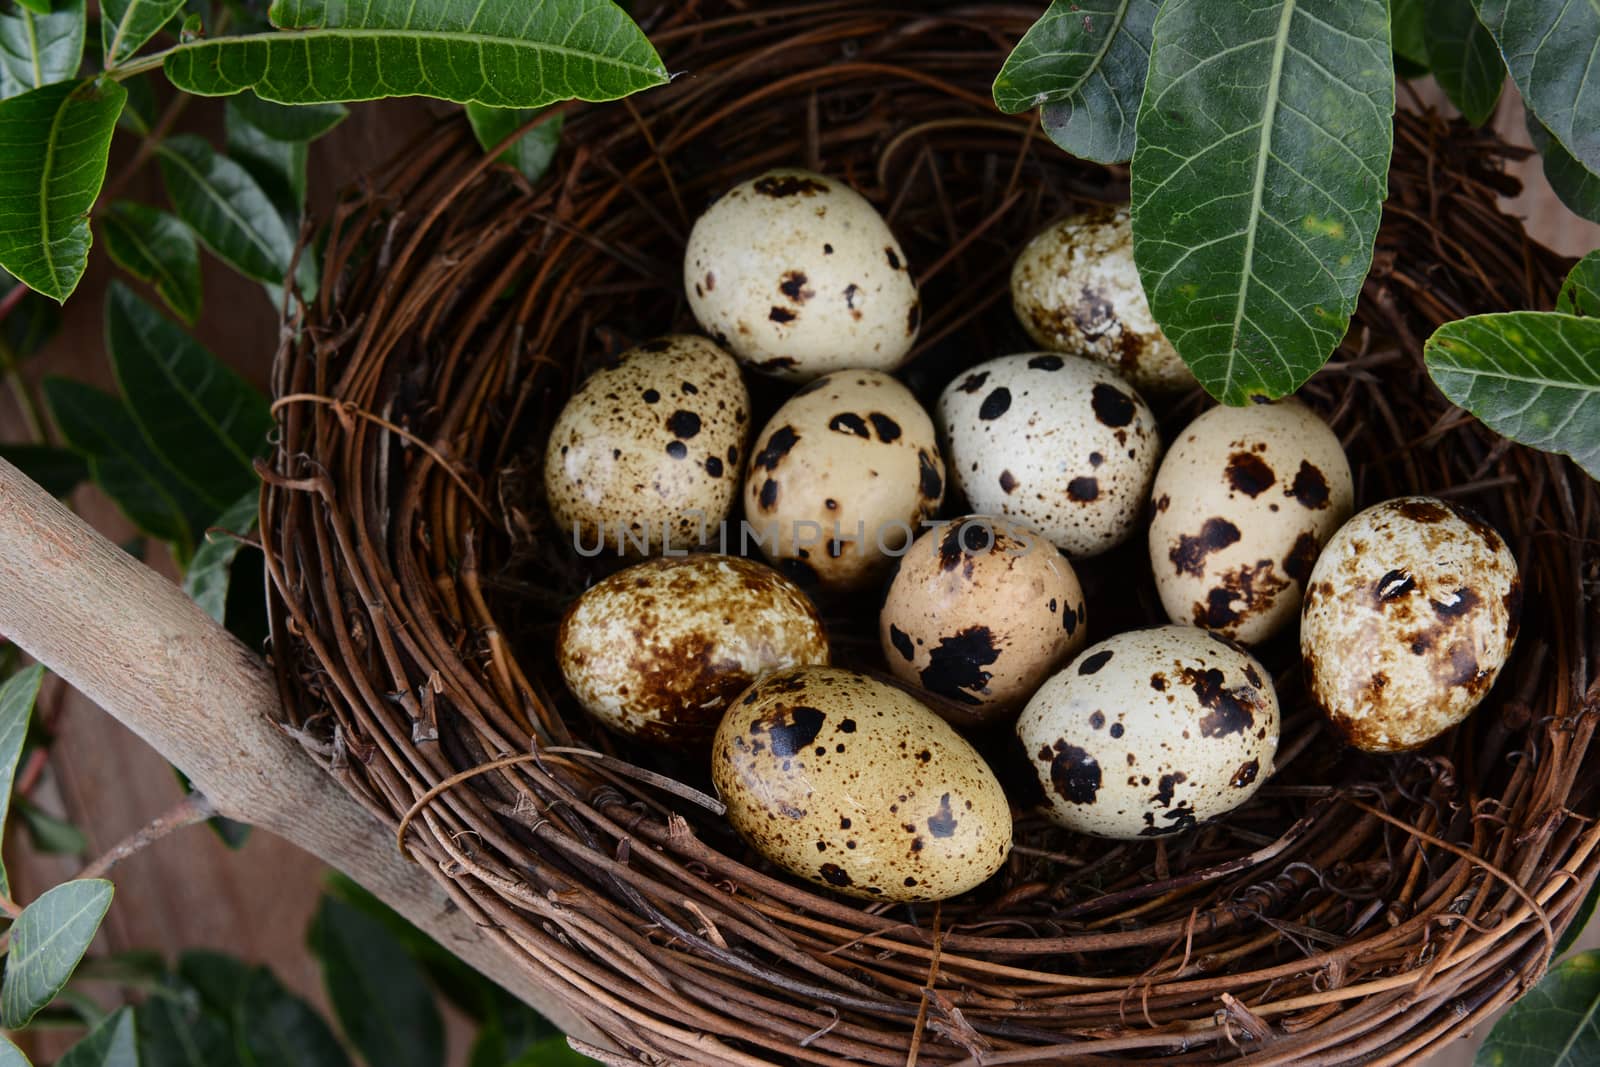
[[186, 812]]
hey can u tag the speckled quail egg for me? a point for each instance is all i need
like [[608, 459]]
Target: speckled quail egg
[[856, 785], [657, 651], [1243, 502], [981, 611], [1075, 289], [646, 454], [1151, 732], [1058, 442], [841, 478], [1411, 611], [798, 275]]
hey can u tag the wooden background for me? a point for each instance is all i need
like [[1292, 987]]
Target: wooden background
[[189, 891]]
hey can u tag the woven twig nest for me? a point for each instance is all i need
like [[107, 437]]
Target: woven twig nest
[[1357, 909]]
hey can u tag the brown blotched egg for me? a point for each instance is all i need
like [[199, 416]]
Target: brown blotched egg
[[646, 454], [1151, 732], [798, 275], [981, 611], [1058, 442], [1075, 289], [1243, 503], [841, 479], [657, 651], [856, 785], [1411, 611]]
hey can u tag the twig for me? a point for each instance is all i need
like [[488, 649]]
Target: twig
[[194, 808]]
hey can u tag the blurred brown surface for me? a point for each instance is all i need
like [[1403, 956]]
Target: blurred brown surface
[[190, 891]]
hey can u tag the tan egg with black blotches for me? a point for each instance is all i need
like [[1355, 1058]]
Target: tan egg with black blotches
[[857, 786], [657, 651], [1151, 733], [1242, 504], [1075, 289], [798, 275], [981, 611], [1057, 442], [646, 454], [1411, 612], [841, 479]]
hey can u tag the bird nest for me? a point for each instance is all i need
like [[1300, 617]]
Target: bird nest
[[1357, 909]]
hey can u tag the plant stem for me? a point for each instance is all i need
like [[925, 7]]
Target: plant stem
[[37, 431], [146, 151], [194, 808], [8, 907]]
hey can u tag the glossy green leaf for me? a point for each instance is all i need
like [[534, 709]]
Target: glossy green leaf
[[156, 248], [57, 470], [38, 7], [139, 116], [383, 1003], [506, 55], [1084, 64], [11, 1055], [226, 208], [532, 152], [1258, 182], [121, 461], [111, 1044], [208, 423], [279, 1029], [1552, 48], [39, 49], [49, 834], [1575, 185], [283, 122], [1464, 58], [125, 25], [176, 1030], [1557, 1024], [54, 141], [1532, 376], [1408, 28], [17, 695], [279, 167], [1580, 293], [47, 941], [206, 580]]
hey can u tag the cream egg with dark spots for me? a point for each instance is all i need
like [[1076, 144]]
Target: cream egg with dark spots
[[1411, 612], [657, 651], [798, 275], [1241, 506], [1152, 732], [646, 455], [981, 611], [1057, 442], [855, 785]]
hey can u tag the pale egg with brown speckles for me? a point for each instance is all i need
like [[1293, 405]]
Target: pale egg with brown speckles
[[857, 786], [798, 275], [1411, 612], [658, 650], [1152, 732]]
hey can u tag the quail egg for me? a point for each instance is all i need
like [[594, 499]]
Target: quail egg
[[857, 786], [646, 455], [1411, 611], [1151, 732], [798, 275], [1057, 442]]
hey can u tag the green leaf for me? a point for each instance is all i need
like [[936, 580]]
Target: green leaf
[[175, 1030], [121, 461], [1580, 922], [1532, 376], [208, 423], [140, 115], [1580, 293], [1084, 64], [1552, 48], [206, 580], [54, 141], [505, 55], [57, 470], [47, 941], [1464, 58], [111, 1044], [1575, 185], [141, 969], [281, 122], [11, 1055], [125, 25], [1259, 178], [226, 208], [378, 992], [279, 1029], [38, 7], [49, 834], [39, 48], [156, 248], [532, 152], [279, 167], [1554, 1025], [31, 323], [17, 695], [1408, 28]]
